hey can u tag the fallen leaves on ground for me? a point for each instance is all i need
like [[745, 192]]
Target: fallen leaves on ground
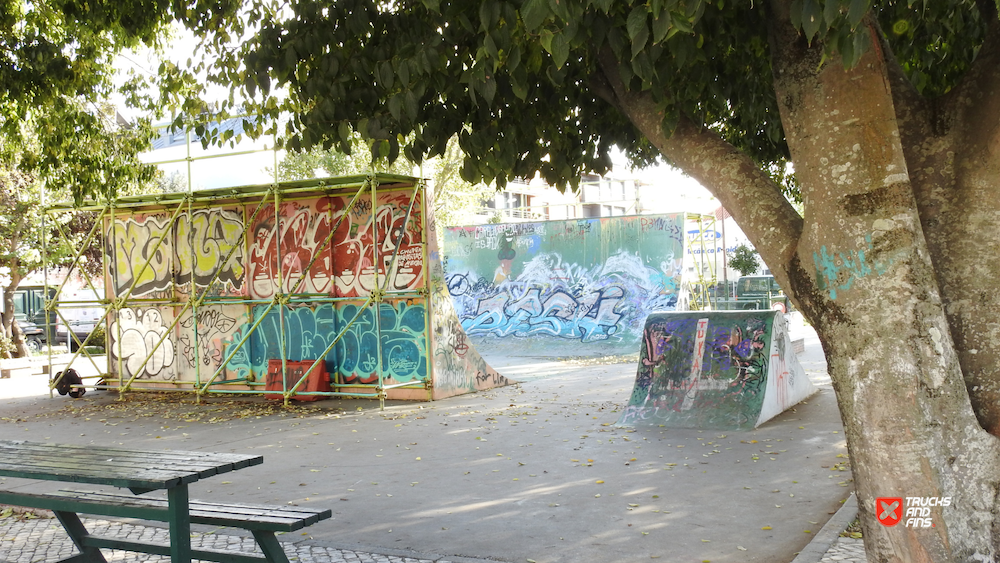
[[138, 405]]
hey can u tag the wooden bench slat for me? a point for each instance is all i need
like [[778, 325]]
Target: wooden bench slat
[[76, 474], [245, 516], [203, 469], [137, 470], [237, 515], [212, 457], [97, 465], [180, 458]]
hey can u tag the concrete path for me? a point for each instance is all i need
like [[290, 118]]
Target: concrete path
[[536, 471]]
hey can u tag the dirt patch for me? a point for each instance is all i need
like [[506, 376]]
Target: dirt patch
[[171, 406]]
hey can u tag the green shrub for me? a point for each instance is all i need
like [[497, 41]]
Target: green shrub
[[99, 336]]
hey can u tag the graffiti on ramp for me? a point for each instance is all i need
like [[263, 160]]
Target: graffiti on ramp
[[716, 370]]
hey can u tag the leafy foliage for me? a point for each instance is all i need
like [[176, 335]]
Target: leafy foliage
[[299, 165], [934, 42], [57, 67], [524, 84]]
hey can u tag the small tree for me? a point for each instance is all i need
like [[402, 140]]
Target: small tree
[[744, 260]]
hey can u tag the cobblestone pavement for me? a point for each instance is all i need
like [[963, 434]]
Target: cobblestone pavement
[[846, 550], [43, 539]]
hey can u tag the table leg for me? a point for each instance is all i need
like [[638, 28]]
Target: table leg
[[270, 545], [77, 532], [179, 519]]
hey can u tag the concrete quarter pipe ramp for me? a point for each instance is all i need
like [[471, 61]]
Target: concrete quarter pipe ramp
[[718, 370]]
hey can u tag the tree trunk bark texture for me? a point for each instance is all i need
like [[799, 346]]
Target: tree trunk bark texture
[[10, 327], [894, 351], [900, 199]]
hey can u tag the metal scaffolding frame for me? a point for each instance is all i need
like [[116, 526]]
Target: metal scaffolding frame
[[200, 295], [703, 289]]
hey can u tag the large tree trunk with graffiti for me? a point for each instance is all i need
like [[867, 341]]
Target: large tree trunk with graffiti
[[900, 197]]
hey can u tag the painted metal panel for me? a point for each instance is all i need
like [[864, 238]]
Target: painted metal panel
[[715, 370], [205, 289], [565, 287]]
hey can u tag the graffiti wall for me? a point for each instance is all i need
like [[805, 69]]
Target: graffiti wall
[[565, 287], [213, 293], [719, 370]]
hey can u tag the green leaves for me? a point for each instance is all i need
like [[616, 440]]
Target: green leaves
[[558, 46], [811, 18], [636, 21], [856, 12], [526, 83], [638, 30]]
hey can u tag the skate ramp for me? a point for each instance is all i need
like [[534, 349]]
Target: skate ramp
[[727, 370], [216, 285]]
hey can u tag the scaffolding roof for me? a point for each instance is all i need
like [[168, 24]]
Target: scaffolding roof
[[328, 184]]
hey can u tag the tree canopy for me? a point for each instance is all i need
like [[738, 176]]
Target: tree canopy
[[58, 67], [744, 260], [525, 84]]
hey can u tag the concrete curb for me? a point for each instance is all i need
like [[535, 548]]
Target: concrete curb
[[821, 543]]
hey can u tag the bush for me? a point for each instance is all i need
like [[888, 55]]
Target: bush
[[99, 336], [6, 346]]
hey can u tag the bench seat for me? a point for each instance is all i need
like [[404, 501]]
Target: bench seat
[[261, 520], [232, 515]]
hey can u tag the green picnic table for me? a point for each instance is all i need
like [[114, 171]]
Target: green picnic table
[[144, 471]]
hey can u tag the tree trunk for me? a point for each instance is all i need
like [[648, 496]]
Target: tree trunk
[[859, 266], [951, 148], [10, 327], [875, 302]]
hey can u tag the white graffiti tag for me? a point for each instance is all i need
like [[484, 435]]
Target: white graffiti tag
[[140, 333]]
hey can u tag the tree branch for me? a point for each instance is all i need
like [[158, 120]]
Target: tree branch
[[600, 86], [746, 191]]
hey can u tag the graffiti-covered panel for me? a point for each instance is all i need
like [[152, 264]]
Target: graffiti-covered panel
[[351, 349], [202, 341], [458, 367], [209, 249], [140, 254], [581, 286], [722, 370], [142, 342], [349, 263], [211, 291]]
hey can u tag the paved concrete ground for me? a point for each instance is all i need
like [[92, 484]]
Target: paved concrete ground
[[536, 471]]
